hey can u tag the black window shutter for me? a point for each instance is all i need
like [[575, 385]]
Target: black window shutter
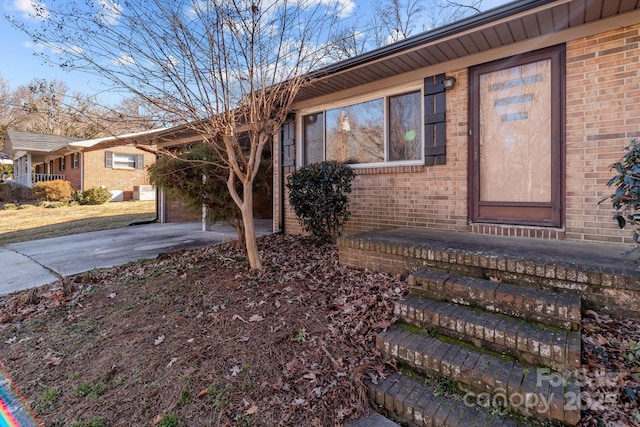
[[435, 132], [287, 136], [108, 159], [139, 161]]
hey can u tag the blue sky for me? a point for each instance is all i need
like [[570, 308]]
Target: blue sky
[[19, 65]]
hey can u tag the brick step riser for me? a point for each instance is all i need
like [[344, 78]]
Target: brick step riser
[[491, 306], [478, 373], [542, 306], [554, 349], [413, 402]]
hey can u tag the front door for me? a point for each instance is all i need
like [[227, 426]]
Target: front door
[[516, 154]]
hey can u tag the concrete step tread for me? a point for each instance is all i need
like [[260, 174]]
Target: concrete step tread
[[413, 401], [532, 343], [541, 305], [532, 391]]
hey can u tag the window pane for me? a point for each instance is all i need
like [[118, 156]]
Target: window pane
[[313, 138], [124, 160], [405, 127], [515, 134], [355, 133]]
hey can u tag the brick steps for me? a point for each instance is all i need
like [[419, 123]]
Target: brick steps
[[532, 343], [537, 304], [506, 344], [525, 389], [414, 402]]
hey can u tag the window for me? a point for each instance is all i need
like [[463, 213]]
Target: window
[[62, 163], [124, 160], [313, 125], [405, 124], [383, 129], [355, 133], [75, 160]]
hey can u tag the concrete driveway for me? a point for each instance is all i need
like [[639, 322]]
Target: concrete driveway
[[39, 262]]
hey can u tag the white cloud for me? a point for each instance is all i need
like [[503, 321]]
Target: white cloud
[[124, 60], [30, 9], [346, 8], [110, 11]]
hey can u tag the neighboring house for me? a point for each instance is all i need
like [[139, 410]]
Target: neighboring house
[[504, 123], [111, 162]]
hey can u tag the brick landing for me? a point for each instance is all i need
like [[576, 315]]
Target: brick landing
[[607, 279]]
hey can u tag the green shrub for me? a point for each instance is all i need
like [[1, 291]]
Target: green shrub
[[27, 206], [626, 181], [53, 191], [9, 206], [181, 176], [93, 196], [318, 196]]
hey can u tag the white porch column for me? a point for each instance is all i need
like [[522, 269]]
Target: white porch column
[[29, 176], [18, 171]]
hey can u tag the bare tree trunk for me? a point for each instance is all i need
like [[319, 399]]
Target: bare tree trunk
[[249, 228]]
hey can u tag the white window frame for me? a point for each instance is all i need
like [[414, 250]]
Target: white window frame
[[119, 164], [385, 94]]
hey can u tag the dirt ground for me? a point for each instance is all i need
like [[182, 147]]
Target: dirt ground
[[195, 338]]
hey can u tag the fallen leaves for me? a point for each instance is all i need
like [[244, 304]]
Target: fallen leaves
[[288, 345], [610, 374], [256, 318]]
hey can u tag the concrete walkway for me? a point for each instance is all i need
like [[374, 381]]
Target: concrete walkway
[[39, 262]]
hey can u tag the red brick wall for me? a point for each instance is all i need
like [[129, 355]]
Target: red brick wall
[[71, 174], [603, 116], [176, 210], [97, 175]]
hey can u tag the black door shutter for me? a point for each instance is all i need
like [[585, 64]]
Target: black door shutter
[[287, 136], [435, 132]]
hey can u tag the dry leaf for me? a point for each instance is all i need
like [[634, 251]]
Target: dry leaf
[[256, 318], [252, 410], [159, 340], [202, 393]]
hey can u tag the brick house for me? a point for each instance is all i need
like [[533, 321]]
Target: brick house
[[504, 123], [112, 162]]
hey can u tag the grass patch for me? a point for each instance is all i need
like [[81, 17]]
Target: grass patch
[[49, 399], [39, 222]]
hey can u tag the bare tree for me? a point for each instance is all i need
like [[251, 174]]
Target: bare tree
[[47, 107], [398, 18], [395, 20], [227, 69], [7, 113]]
